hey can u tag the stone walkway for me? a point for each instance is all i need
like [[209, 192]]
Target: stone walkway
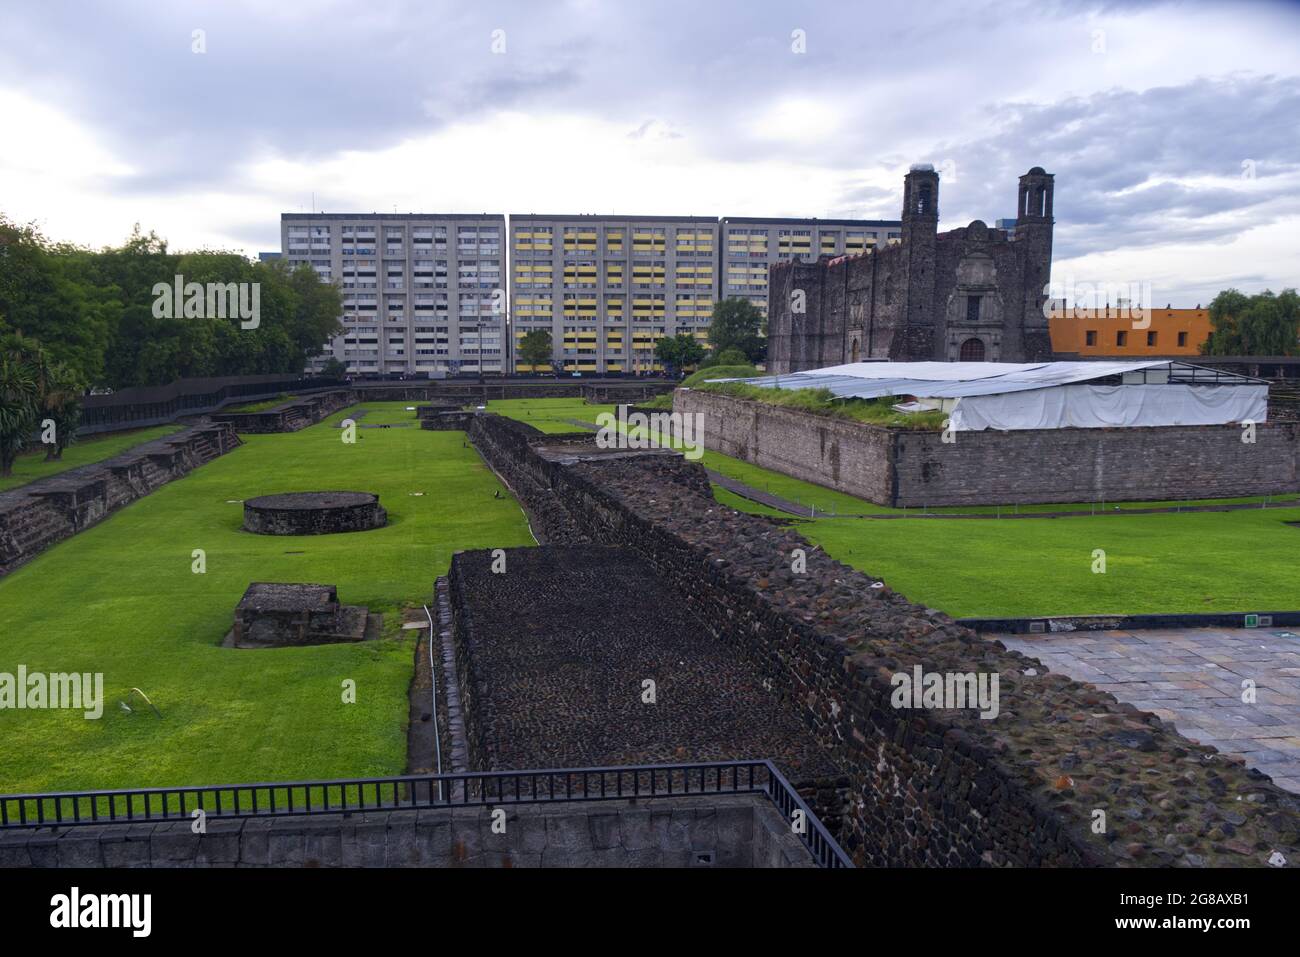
[[1193, 677], [755, 495]]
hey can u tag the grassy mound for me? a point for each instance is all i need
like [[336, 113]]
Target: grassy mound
[[823, 402], [718, 372]]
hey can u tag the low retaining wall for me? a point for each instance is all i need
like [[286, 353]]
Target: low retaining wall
[[928, 786], [714, 831], [1035, 466], [135, 408], [35, 516], [290, 416]]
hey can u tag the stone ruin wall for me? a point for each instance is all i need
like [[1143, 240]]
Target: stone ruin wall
[[928, 787], [914, 469], [290, 416], [37, 515]]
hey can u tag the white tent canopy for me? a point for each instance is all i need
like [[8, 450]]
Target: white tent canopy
[[1048, 395]]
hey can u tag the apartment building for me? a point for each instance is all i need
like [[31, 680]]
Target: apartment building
[[608, 288], [422, 293], [750, 246]]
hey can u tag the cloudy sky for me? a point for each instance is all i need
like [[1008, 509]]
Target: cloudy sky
[[1173, 128]]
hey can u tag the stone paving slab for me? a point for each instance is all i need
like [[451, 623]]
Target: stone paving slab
[[1194, 678]]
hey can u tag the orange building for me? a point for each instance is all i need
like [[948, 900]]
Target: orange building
[[1117, 331]]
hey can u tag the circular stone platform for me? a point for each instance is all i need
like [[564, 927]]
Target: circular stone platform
[[314, 513]]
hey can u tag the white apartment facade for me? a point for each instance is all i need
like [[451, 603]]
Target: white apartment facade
[[422, 293], [428, 293]]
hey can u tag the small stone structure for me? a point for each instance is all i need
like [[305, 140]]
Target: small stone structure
[[447, 420], [274, 614], [314, 513], [436, 407]]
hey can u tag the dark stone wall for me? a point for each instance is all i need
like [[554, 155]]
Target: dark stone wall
[[35, 516], [914, 468], [928, 787], [560, 685]]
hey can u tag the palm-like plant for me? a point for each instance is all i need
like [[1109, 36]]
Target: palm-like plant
[[19, 406], [61, 403]]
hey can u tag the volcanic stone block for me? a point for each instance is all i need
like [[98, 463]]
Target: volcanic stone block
[[314, 513], [273, 614]]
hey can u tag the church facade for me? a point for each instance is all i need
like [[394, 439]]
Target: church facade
[[972, 294]]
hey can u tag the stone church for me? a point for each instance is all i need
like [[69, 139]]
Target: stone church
[[973, 294]]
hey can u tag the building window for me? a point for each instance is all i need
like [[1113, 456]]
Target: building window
[[972, 308], [1121, 338], [1182, 339], [1151, 338], [972, 350], [1090, 337]]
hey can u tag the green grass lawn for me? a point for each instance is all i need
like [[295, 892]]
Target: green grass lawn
[[1187, 563], [121, 599], [32, 465], [549, 415]]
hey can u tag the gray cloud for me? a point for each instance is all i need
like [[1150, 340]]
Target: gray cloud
[[991, 86]]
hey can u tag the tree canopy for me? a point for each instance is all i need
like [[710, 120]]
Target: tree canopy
[[93, 311], [1260, 325], [738, 324], [535, 348], [679, 352]]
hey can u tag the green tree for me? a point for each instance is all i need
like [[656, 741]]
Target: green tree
[[1264, 324], [678, 352], [334, 369], [534, 348], [738, 324]]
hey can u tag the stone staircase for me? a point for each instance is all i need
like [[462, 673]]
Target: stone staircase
[[37, 515]]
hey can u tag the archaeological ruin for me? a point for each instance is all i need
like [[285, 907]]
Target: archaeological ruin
[[314, 513]]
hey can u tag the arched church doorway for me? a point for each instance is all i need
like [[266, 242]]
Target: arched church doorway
[[972, 350]]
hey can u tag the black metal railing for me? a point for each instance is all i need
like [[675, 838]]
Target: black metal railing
[[404, 792]]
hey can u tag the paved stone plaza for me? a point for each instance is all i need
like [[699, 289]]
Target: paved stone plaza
[[1193, 677]]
